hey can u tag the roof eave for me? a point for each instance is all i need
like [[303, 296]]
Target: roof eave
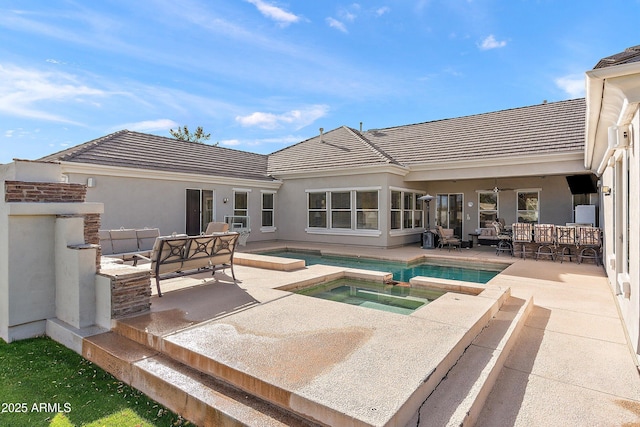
[[124, 172], [342, 171], [613, 96]]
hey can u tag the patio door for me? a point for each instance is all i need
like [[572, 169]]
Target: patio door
[[449, 212], [199, 210]]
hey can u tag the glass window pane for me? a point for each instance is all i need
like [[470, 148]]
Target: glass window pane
[[341, 219], [396, 198], [341, 200], [367, 220], [240, 200], [408, 201], [318, 219], [267, 218], [487, 218], [317, 200], [267, 201], [488, 201], [407, 219], [395, 220], [367, 200], [527, 201]]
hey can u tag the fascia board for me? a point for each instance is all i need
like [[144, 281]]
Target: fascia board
[[500, 161], [117, 171], [567, 163], [613, 95], [330, 172]]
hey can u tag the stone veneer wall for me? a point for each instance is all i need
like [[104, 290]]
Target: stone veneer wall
[[91, 236], [130, 293], [44, 192]]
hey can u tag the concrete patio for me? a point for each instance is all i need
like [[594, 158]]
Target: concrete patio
[[542, 344]]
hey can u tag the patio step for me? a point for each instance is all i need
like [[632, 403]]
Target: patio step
[[199, 398], [458, 399]]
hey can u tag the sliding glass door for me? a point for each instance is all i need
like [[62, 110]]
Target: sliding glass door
[[449, 212]]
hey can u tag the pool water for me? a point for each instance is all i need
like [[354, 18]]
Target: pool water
[[379, 296], [402, 272]]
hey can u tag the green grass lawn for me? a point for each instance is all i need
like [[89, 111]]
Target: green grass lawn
[[42, 383]]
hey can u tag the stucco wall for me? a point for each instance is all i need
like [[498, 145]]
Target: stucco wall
[[154, 202], [555, 198]]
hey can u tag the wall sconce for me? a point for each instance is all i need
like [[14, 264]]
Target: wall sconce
[[91, 182], [606, 191], [225, 200]]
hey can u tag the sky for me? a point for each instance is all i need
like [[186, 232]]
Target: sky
[[260, 75]]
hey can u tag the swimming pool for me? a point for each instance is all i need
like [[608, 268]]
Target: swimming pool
[[379, 296], [402, 272]]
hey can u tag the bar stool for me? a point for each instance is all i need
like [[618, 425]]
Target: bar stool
[[504, 239], [565, 240], [521, 234], [544, 236], [588, 243]]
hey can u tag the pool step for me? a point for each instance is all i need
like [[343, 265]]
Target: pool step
[[198, 397], [458, 399]]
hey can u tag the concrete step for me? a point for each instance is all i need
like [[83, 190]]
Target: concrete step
[[199, 398], [458, 399]]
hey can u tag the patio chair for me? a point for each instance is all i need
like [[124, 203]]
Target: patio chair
[[588, 243], [504, 239], [522, 234], [447, 238], [216, 227], [544, 237], [565, 242]]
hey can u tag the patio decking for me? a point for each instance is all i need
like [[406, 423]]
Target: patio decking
[[313, 361]]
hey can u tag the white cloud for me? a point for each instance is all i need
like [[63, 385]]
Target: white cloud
[[491, 43], [382, 10], [334, 23], [23, 91], [230, 142], [573, 85], [150, 125], [273, 12], [9, 133], [296, 119]]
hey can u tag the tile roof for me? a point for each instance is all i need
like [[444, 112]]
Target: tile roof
[[339, 148], [629, 55], [538, 129], [143, 151]]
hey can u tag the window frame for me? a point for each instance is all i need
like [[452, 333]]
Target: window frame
[[268, 227], [330, 226]]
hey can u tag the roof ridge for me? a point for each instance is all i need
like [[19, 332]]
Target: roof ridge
[[373, 131], [373, 147]]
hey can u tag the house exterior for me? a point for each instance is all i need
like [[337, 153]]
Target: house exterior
[[611, 152], [346, 186]]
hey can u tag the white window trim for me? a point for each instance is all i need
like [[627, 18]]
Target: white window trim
[[353, 231], [402, 230], [273, 228], [529, 190]]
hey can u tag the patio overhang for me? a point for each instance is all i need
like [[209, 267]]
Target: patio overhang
[[564, 163], [613, 97]]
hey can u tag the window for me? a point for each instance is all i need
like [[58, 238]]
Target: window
[[240, 203], [406, 211], [528, 206], [318, 210], [344, 209], [341, 209], [396, 212], [487, 208], [367, 210], [267, 209]]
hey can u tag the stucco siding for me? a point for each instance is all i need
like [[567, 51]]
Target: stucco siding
[[140, 202]]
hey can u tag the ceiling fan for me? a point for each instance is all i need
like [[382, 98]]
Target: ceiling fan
[[497, 189]]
